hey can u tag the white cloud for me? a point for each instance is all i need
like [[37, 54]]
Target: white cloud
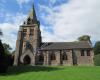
[[68, 21], [73, 19], [20, 2], [10, 28]]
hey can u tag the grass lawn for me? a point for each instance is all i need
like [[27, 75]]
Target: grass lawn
[[51, 73]]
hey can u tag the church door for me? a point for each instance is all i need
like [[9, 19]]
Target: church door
[[27, 60]]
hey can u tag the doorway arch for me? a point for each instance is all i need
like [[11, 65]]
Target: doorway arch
[[27, 60]]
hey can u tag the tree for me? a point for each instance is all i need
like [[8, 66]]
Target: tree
[[84, 38], [97, 53], [3, 59], [97, 60], [8, 54], [97, 48], [7, 48]]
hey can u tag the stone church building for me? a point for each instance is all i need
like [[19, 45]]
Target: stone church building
[[30, 50]]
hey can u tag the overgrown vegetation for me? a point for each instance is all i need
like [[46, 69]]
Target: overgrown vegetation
[[97, 60], [97, 53], [97, 48], [5, 56], [3, 59], [84, 38]]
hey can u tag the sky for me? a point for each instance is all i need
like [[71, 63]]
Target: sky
[[61, 20]]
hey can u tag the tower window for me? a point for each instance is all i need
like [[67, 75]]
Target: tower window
[[88, 52], [31, 31], [24, 32], [82, 52]]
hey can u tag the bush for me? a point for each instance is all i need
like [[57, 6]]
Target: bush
[[97, 48], [97, 60], [3, 64], [3, 60]]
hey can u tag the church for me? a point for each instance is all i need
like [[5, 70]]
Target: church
[[30, 50]]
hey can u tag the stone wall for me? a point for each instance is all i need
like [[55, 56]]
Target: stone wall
[[69, 61], [58, 60], [84, 60]]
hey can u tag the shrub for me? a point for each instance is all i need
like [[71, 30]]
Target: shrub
[[97, 60], [3, 60]]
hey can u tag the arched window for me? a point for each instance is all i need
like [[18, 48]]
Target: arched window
[[88, 52], [82, 53], [53, 56], [41, 57], [64, 55], [24, 32]]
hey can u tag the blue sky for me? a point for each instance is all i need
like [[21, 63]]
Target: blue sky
[[61, 20]]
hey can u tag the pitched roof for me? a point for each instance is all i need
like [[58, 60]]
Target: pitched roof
[[65, 45]]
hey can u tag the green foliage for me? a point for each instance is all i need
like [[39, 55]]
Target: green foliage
[[97, 60], [3, 59], [13, 52], [52, 73], [84, 38], [97, 48], [7, 48]]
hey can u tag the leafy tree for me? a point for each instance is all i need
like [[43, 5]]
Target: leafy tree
[[13, 52], [3, 59], [84, 38], [7, 48], [97, 48], [97, 60]]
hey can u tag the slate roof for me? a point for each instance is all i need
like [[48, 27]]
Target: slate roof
[[66, 45]]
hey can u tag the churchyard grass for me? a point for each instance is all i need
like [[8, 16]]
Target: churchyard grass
[[51, 73]]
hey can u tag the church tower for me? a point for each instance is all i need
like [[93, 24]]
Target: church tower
[[28, 40]]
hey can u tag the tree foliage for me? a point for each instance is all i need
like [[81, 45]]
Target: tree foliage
[[3, 59], [6, 58], [84, 38], [97, 48], [7, 48], [97, 60]]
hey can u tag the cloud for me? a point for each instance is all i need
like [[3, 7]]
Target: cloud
[[10, 28], [65, 22], [20, 2], [73, 19]]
